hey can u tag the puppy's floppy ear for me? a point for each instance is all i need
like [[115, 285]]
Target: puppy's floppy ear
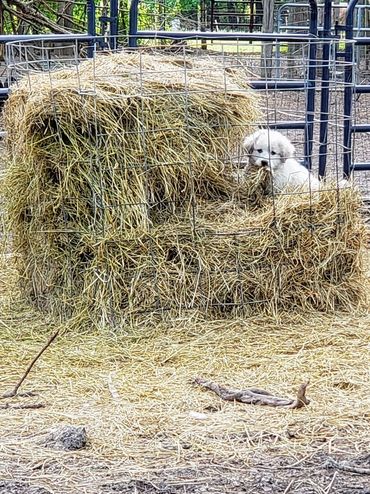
[[287, 149], [248, 143]]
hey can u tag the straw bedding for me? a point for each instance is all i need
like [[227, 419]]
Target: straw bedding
[[132, 391], [121, 200]]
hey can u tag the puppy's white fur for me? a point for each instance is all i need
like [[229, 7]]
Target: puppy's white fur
[[272, 149]]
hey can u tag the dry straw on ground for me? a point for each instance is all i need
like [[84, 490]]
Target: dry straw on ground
[[121, 200], [133, 392]]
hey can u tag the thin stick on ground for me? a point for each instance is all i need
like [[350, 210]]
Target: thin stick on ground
[[22, 407], [256, 396], [14, 391], [346, 466]]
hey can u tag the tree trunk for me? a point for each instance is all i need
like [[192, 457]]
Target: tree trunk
[[267, 27], [296, 17]]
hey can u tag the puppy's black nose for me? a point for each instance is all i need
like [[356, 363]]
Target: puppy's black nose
[[264, 163]]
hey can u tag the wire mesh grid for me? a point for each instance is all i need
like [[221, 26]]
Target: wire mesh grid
[[141, 206]]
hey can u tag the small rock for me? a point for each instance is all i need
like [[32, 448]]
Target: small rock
[[68, 438]]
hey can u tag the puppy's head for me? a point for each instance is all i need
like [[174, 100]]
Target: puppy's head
[[268, 148]]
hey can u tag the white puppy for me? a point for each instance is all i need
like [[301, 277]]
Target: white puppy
[[272, 149]]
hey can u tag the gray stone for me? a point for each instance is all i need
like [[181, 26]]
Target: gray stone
[[67, 438]]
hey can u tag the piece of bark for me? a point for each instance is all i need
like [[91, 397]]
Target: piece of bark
[[256, 396]]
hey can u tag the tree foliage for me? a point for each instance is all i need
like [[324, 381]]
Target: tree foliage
[[63, 16]]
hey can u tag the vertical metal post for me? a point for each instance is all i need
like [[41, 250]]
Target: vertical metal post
[[310, 103], [90, 9], [113, 24], [133, 23], [348, 90], [325, 93]]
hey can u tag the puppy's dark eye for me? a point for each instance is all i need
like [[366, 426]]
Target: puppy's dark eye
[[259, 150], [273, 153]]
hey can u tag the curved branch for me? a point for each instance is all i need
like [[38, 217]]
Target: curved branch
[[25, 12], [256, 396]]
